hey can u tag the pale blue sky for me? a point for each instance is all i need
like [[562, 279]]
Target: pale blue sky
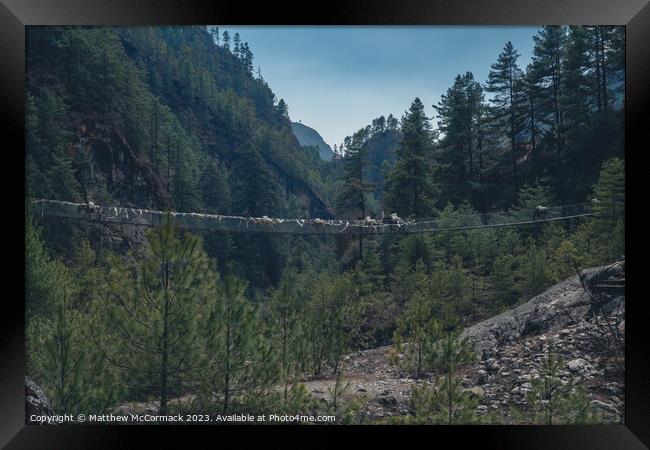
[[337, 79]]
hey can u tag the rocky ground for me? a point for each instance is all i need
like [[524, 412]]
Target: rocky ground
[[583, 327]]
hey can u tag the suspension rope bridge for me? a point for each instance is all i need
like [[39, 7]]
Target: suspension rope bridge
[[241, 224]]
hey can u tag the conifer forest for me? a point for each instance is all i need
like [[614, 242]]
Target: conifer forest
[[507, 309]]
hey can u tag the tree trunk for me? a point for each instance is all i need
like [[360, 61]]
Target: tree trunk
[[533, 137], [226, 384], [512, 131], [165, 356], [360, 247], [449, 400]]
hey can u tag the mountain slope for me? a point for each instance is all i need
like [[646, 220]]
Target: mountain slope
[[309, 137], [141, 116], [162, 118]]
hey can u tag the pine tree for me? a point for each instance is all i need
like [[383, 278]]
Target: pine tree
[[48, 142], [345, 411], [217, 199], [255, 191], [226, 40], [502, 281], [343, 319], [42, 274], [503, 81], [458, 285], [352, 198], [237, 46], [410, 190], [215, 187], [577, 115], [534, 272], [71, 371], [317, 325], [530, 112], [417, 326], [607, 226], [605, 51], [535, 194], [247, 58], [331, 319], [287, 329], [446, 403], [547, 64], [553, 402], [151, 311], [238, 360], [379, 125], [214, 32], [282, 108], [392, 123], [564, 261], [459, 111]]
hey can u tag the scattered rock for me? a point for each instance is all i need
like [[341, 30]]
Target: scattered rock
[[482, 377], [606, 406], [387, 400], [578, 365]]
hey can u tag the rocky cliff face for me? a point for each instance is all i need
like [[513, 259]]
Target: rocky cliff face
[[307, 136], [562, 305]]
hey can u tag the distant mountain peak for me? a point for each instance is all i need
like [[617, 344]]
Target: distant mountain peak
[[307, 136]]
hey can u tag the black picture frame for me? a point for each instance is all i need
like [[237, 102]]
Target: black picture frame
[[16, 14]]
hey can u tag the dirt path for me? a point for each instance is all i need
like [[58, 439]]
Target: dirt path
[[382, 388]]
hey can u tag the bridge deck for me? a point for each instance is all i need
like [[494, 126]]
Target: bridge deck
[[240, 224]]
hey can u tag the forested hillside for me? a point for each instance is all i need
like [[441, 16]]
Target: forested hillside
[[176, 118], [163, 118]]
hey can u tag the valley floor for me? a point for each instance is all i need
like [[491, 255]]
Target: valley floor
[[511, 348]]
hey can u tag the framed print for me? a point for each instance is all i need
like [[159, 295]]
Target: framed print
[[380, 219]]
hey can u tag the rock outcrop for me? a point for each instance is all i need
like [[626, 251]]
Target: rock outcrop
[[36, 402], [563, 304]]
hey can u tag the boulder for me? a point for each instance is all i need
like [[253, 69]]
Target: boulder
[[387, 400], [36, 402], [606, 406], [482, 377], [578, 365]]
